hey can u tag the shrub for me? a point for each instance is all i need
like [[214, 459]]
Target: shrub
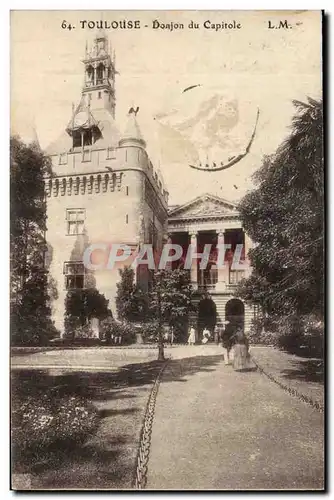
[[290, 332], [111, 331], [31, 331], [80, 307], [39, 421], [262, 332], [296, 334], [262, 337], [313, 326], [307, 339], [149, 332]]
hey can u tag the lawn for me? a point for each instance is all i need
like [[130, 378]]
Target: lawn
[[304, 374], [119, 393]]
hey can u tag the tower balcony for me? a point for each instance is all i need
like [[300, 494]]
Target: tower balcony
[[98, 83]]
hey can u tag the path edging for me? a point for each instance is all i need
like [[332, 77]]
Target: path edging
[[146, 432], [293, 392]]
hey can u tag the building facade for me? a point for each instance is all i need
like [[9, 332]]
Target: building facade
[[104, 190], [210, 220]]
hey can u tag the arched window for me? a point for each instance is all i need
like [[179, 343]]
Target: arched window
[[99, 73], [90, 74]]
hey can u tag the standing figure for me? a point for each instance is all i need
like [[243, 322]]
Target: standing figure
[[217, 334], [227, 341], [192, 336], [166, 335], [206, 335], [241, 359]]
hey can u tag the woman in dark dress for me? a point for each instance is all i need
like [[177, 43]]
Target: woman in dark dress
[[227, 341], [241, 360]]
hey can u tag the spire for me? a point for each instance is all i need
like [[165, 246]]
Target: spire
[[99, 75], [132, 135]]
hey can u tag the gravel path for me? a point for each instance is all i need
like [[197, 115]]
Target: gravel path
[[218, 429]]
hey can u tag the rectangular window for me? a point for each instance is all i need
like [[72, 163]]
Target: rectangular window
[[86, 155], [76, 139], [87, 137], [75, 220], [236, 276], [99, 95], [111, 154], [63, 159], [74, 275]]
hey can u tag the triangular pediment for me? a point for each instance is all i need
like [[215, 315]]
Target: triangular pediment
[[204, 206]]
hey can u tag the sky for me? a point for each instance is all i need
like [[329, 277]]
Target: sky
[[253, 67]]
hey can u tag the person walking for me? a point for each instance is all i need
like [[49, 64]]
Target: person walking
[[192, 336], [241, 360], [227, 342]]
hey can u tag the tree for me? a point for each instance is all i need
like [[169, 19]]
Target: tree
[[131, 302], [82, 305], [29, 297], [170, 300], [284, 217]]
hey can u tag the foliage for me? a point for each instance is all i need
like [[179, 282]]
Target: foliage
[[149, 331], [261, 335], [84, 332], [111, 330], [39, 421], [29, 294], [29, 329], [303, 335], [170, 301], [131, 302], [81, 305], [284, 217], [313, 326], [172, 288]]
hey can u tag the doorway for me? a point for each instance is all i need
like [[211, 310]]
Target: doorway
[[235, 312], [207, 316]]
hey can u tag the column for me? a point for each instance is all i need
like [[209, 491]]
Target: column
[[194, 268], [222, 273], [248, 246], [95, 71]]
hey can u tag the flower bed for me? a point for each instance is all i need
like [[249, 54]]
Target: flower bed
[[40, 421]]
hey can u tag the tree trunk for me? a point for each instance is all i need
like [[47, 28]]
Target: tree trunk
[[161, 354]]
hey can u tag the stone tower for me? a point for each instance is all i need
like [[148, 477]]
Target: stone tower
[[104, 189], [100, 71]]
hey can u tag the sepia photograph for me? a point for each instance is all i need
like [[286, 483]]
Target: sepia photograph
[[167, 251]]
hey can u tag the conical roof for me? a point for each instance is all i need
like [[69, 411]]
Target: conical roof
[[81, 118], [107, 126], [132, 133]]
